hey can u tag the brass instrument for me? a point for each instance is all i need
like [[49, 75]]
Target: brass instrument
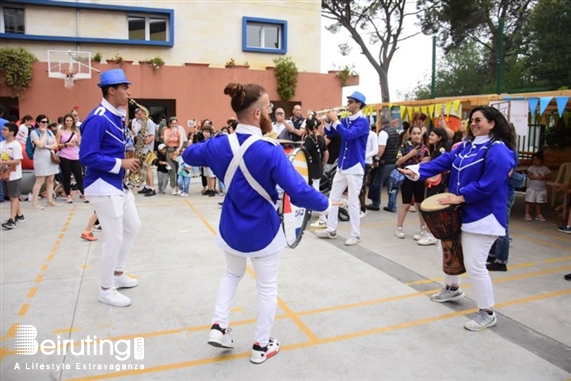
[[145, 158], [322, 114]]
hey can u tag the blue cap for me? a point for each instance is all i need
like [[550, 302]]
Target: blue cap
[[358, 97], [113, 77]]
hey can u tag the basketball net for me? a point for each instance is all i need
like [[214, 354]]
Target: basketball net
[[69, 79]]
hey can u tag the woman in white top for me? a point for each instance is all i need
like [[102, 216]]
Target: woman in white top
[[24, 129], [44, 141]]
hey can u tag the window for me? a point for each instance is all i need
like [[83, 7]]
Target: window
[[12, 20], [147, 28], [264, 35]]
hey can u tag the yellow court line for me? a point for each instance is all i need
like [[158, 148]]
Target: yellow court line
[[23, 309], [333, 339], [325, 309], [553, 233], [519, 266], [32, 292], [201, 217]]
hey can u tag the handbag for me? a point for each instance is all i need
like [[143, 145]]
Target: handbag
[[55, 158], [517, 180]]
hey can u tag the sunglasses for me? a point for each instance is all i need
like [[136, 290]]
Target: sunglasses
[[350, 101], [44, 121], [279, 113], [476, 120]]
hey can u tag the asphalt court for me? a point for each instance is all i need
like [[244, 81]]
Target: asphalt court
[[358, 312]]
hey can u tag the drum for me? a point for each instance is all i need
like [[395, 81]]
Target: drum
[[294, 219], [444, 222]]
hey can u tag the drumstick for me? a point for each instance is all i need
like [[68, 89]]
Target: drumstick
[[343, 203]]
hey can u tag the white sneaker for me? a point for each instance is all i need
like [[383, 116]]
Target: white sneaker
[[351, 241], [326, 234], [112, 297], [259, 354], [427, 240], [420, 235], [363, 214], [481, 321], [319, 224], [174, 192], [399, 233], [220, 337], [124, 281], [184, 195]]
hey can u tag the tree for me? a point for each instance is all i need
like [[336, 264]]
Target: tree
[[376, 24], [457, 22]]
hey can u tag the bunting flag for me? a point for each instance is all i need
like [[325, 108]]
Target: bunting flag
[[424, 110], [402, 111], [533, 105], [431, 111], [448, 107], [456, 106], [390, 106], [561, 103], [543, 103], [410, 111]]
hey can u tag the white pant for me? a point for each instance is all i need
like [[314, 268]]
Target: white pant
[[476, 248], [266, 269], [120, 225], [354, 183]]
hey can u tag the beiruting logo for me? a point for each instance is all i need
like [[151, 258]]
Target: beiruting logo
[[26, 344]]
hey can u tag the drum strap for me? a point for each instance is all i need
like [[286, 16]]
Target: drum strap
[[238, 151]]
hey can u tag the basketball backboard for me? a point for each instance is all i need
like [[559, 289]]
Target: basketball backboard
[[69, 65]]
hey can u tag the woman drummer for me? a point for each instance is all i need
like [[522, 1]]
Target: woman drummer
[[479, 169]]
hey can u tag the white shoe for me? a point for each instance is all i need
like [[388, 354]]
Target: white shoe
[[351, 241], [420, 235], [174, 192], [112, 297], [319, 224], [184, 195], [259, 354], [326, 234], [123, 281], [363, 214], [220, 337], [427, 240], [399, 233]]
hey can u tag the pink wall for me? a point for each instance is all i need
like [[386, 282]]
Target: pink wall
[[198, 90]]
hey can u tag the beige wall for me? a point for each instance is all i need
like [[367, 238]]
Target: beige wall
[[205, 31]]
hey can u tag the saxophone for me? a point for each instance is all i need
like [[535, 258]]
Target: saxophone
[[146, 159]]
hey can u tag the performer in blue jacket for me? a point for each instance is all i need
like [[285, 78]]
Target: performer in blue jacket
[[479, 172], [354, 132], [102, 151], [251, 167]]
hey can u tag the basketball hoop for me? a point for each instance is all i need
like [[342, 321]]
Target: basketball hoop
[[68, 79]]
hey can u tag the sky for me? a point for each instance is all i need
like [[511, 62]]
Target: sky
[[411, 62]]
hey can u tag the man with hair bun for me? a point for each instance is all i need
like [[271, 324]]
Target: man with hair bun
[[251, 167]]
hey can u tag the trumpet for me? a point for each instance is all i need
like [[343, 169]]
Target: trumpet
[[322, 114]]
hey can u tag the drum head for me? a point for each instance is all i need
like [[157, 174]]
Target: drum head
[[294, 219], [431, 204]]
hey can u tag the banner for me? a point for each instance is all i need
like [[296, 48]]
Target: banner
[[543, 103], [516, 112], [533, 105]]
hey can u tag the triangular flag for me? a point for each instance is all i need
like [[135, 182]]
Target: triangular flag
[[390, 106], [402, 111], [448, 106], [456, 106], [424, 110], [561, 103], [431, 111], [543, 103], [533, 105], [410, 111]]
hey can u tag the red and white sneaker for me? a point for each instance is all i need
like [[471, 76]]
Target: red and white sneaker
[[259, 354], [220, 337]]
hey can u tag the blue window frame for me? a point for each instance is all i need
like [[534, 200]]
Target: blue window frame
[[264, 35], [158, 24]]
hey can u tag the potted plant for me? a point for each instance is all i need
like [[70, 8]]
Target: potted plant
[[156, 63], [348, 76], [97, 57], [230, 64], [286, 74]]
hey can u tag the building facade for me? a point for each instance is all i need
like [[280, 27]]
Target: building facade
[[204, 45]]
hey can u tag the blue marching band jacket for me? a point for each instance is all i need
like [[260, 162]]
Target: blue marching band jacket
[[104, 138], [249, 224], [354, 132], [479, 171]]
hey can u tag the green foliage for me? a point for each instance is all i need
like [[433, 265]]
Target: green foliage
[[345, 72], [286, 74], [559, 135], [97, 57], [16, 65], [156, 62], [231, 63]]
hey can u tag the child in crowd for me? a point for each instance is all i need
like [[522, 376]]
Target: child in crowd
[[162, 168], [538, 175], [184, 178]]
